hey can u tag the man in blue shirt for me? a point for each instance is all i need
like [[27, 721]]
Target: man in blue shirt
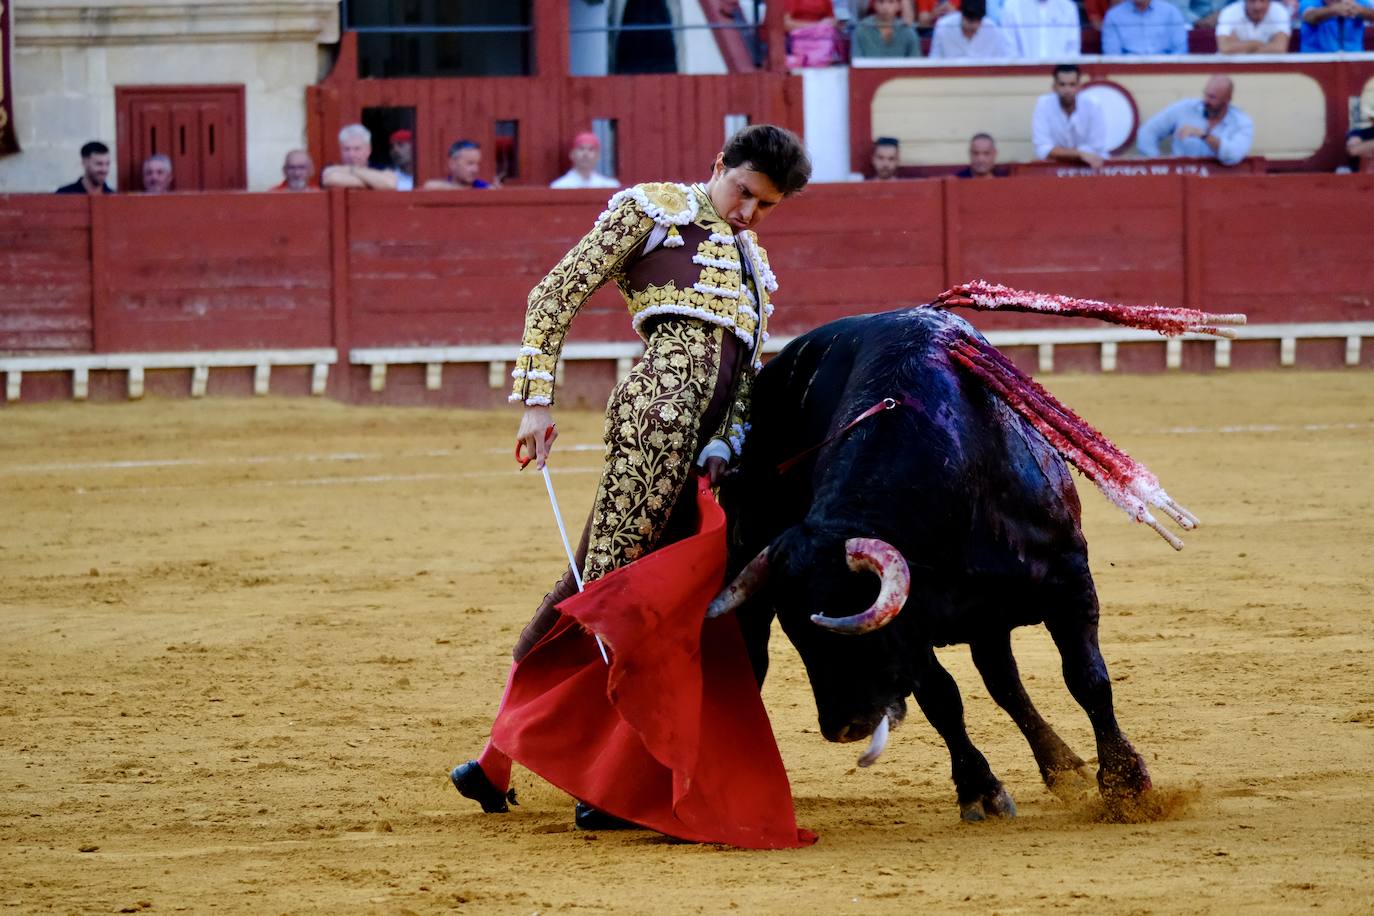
[[1144, 27], [1333, 25], [1207, 128]]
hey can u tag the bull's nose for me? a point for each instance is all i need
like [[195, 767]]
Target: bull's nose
[[842, 733]]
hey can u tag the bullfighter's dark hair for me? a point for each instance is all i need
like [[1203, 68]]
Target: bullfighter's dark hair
[[95, 147], [974, 10], [776, 152], [1066, 68]]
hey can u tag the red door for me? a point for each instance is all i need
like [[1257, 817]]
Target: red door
[[200, 128]]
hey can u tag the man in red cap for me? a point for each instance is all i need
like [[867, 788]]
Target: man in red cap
[[585, 152], [403, 159]]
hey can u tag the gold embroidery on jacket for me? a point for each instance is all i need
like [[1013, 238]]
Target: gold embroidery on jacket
[[719, 296], [652, 425]]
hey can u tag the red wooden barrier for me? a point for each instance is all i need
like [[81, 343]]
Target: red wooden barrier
[[454, 267], [1289, 248], [45, 273], [213, 271], [1106, 238], [849, 249], [217, 272]]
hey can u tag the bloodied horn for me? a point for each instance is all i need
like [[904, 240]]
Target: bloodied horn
[[885, 560]]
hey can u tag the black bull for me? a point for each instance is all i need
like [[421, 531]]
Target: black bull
[[980, 506]]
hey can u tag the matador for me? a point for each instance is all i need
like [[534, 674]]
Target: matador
[[698, 286]]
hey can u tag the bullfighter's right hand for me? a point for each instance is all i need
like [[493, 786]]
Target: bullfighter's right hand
[[537, 433]]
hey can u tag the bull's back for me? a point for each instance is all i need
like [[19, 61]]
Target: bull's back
[[971, 494]]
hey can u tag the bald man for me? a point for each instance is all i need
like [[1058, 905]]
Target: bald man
[[1206, 128]]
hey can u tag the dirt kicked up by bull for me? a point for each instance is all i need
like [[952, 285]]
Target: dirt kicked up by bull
[[904, 444]]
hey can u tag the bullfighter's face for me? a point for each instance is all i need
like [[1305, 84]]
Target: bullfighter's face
[[742, 196]]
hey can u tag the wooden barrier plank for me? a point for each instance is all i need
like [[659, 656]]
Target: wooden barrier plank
[[45, 273], [215, 271], [1290, 248], [209, 272]]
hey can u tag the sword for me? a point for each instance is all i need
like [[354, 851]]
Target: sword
[[562, 529]]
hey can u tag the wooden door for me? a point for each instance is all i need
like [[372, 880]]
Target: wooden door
[[200, 128]]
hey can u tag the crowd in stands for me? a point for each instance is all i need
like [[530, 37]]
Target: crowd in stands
[[822, 32], [1065, 125], [1068, 128], [355, 167]]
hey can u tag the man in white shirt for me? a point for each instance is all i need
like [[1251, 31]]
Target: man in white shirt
[[585, 152], [1068, 128], [966, 32], [1042, 29], [1253, 27]]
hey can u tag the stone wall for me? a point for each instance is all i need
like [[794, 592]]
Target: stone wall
[[68, 59]]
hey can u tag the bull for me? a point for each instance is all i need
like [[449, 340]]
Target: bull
[[902, 443]]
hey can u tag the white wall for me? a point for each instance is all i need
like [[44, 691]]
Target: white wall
[[69, 59]]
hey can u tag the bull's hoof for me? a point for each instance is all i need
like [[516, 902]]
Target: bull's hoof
[[994, 804], [472, 782], [1125, 781], [1071, 786]]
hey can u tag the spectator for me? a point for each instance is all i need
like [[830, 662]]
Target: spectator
[[968, 33], [464, 162], [930, 12], [1360, 145], [586, 150], [1144, 27], [1207, 128], [1253, 27], [95, 168], [403, 159], [883, 34], [1066, 127], [298, 172], [1042, 29], [908, 8], [887, 156], [812, 39], [353, 170], [157, 174], [982, 152], [1333, 25]]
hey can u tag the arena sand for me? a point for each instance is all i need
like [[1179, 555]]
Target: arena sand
[[245, 640]]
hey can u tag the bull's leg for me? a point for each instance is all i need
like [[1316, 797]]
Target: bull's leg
[[1121, 774], [980, 793], [1063, 771]]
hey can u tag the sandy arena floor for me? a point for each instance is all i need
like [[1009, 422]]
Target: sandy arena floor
[[245, 640]]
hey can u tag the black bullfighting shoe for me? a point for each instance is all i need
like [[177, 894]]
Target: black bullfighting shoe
[[472, 782], [588, 818]]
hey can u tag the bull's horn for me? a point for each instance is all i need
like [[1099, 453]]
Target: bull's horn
[[745, 584], [885, 560]]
